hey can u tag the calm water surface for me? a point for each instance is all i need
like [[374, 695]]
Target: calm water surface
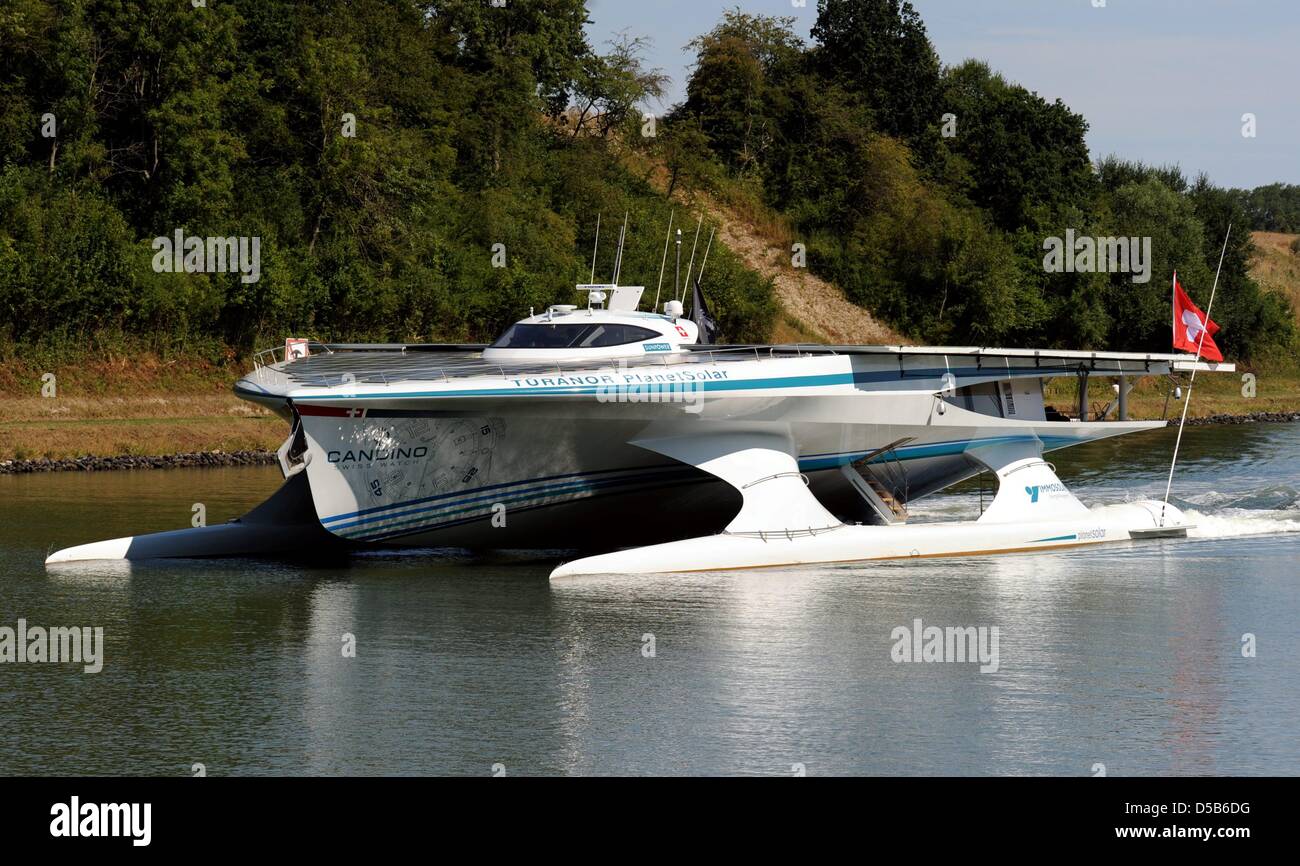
[[1128, 656]]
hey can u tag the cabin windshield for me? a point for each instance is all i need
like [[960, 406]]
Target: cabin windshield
[[591, 335]]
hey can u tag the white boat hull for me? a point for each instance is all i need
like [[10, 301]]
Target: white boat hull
[[846, 544]]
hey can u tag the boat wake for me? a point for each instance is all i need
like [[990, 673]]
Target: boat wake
[[1271, 510], [1276, 497], [1235, 525]]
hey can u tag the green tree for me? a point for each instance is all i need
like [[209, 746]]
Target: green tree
[[610, 88], [740, 67], [686, 153], [1028, 157], [879, 49]]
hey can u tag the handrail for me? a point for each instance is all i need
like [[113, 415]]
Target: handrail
[[882, 449], [408, 362], [1046, 463], [788, 534], [274, 351], [773, 477]]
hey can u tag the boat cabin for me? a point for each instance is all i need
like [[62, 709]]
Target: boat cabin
[[609, 327]]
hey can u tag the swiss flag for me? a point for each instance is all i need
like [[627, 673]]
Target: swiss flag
[[1190, 323]]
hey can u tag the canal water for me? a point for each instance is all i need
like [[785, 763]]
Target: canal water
[[1165, 657]]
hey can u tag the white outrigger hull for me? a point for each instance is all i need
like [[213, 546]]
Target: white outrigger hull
[[848, 544], [780, 523]]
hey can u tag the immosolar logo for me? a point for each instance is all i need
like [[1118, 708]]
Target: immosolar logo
[[1037, 489], [122, 820]]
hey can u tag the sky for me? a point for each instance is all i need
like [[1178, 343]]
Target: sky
[[1161, 81]]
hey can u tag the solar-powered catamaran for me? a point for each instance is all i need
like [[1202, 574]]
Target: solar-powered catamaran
[[602, 427], [625, 434]]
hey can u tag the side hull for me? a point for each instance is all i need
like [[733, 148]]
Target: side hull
[[782, 524], [869, 543], [283, 524]]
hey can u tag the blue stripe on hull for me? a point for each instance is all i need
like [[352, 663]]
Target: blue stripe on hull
[[382, 534], [716, 385], [524, 495], [919, 452], [583, 482], [499, 486]]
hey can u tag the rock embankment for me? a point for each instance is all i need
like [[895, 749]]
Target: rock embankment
[[127, 461], [1249, 418]]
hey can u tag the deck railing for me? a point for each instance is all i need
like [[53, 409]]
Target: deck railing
[[267, 359]]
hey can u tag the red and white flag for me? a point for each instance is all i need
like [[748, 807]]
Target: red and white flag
[[1189, 325]]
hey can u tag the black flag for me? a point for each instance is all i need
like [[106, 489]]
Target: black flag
[[701, 317]]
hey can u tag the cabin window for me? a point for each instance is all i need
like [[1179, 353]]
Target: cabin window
[[982, 398], [591, 335]]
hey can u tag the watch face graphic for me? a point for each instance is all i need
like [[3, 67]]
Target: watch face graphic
[[461, 458]]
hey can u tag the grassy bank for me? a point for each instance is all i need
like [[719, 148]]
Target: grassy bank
[[118, 405], [1276, 390]]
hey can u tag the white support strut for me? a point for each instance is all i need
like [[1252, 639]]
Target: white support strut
[[781, 523]]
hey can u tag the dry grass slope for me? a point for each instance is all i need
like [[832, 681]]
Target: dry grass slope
[[1276, 267], [813, 310]]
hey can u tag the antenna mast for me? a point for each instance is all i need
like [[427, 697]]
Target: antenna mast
[[664, 260], [677, 269], [618, 259], [689, 264], [705, 262], [595, 247]]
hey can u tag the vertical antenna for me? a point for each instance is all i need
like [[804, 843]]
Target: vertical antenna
[[664, 260], [595, 247], [700, 275], [1205, 329], [677, 270], [618, 251], [618, 260], [694, 244]]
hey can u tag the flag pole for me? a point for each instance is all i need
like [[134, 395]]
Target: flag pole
[[1173, 307], [1205, 329]]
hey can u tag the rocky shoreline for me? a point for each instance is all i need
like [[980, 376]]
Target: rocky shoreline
[[1249, 418], [167, 461]]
